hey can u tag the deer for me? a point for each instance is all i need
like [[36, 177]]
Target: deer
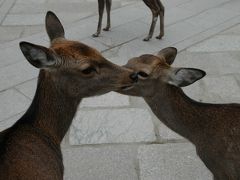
[[214, 129], [69, 72], [155, 6]]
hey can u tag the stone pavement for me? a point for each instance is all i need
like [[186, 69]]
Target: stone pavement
[[115, 137]]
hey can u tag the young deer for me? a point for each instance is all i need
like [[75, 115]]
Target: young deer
[[155, 6], [70, 71], [213, 128]]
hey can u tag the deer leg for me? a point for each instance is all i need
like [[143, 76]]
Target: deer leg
[[154, 20], [161, 14], [108, 7], [101, 4]]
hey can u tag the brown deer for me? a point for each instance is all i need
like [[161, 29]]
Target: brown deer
[[69, 71], [213, 128], [155, 6]]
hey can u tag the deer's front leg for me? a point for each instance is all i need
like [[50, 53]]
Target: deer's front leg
[[161, 14], [101, 4], [154, 20], [108, 7]]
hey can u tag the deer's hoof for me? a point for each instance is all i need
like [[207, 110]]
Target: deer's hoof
[[106, 28], [159, 37], [146, 39], [95, 35]]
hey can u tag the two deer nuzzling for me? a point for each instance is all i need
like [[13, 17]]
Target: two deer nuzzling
[[155, 6], [69, 71], [213, 128]]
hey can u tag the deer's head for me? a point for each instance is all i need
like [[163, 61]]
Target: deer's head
[[156, 72], [75, 68]]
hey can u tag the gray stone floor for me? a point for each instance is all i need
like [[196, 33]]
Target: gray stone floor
[[115, 137]]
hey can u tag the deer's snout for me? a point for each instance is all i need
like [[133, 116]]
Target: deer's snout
[[134, 76]]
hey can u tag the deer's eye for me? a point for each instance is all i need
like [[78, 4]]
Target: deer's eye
[[88, 70], [143, 74]]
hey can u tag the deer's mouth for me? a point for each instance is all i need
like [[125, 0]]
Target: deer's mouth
[[125, 88]]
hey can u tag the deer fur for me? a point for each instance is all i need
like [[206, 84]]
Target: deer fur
[[155, 6], [69, 71], [213, 128]]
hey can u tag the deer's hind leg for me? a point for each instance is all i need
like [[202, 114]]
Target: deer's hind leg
[[101, 4], [108, 8], [153, 24], [161, 15]]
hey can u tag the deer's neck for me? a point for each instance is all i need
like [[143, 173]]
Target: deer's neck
[[177, 111], [51, 111]]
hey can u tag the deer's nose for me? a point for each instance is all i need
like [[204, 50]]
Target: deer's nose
[[134, 77]]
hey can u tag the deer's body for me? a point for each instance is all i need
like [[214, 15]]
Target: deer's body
[[70, 71], [34, 141], [155, 6], [213, 128]]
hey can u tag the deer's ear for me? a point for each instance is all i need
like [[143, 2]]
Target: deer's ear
[[182, 77], [54, 27], [38, 56], [169, 54]]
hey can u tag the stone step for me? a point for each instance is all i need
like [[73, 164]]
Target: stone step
[[171, 162], [113, 162], [102, 126], [177, 161]]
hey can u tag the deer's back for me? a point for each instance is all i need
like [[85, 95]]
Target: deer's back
[[26, 155]]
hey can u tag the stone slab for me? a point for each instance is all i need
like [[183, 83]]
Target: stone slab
[[38, 7], [123, 33], [169, 4], [171, 161], [12, 103], [232, 31], [167, 134], [38, 18], [4, 8], [172, 16], [10, 121], [28, 88], [9, 33], [1, 1], [100, 163], [32, 30], [129, 14], [201, 6], [10, 56], [112, 126], [218, 43], [223, 89], [219, 85], [182, 45], [214, 63], [25, 19], [95, 44], [181, 31], [232, 6], [212, 17], [111, 99], [30, 1], [122, 53], [176, 33], [15, 74], [136, 47]]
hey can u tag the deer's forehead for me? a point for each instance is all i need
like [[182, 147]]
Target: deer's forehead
[[146, 61], [76, 51]]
